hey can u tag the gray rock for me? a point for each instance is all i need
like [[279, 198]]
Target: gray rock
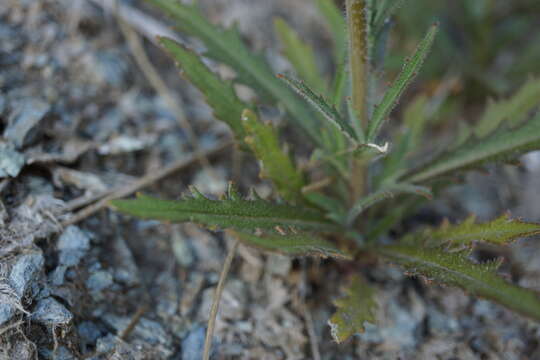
[[181, 248], [7, 311], [24, 273], [152, 332], [193, 344], [24, 118], [106, 344], [11, 161], [100, 280], [73, 245], [48, 311]]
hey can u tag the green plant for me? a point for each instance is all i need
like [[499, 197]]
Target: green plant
[[345, 215]]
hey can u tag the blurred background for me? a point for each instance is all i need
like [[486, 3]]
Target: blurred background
[[89, 107]]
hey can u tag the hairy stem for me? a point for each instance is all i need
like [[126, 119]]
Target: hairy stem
[[357, 24]]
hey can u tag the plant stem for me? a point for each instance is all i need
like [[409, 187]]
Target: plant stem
[[357, 24], [217, 297]]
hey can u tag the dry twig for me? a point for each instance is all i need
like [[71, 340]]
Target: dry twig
[[217, 297], [144, 181]]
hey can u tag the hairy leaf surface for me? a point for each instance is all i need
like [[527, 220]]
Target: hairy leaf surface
[[219, 94], [501, 145], [329, 112], [499, 231], [407, 74], [231, 212], [357, 307], [384, 193], [514, 110], [336, 22], [455, 269], [226, 45], [276, 165], [301, 244]]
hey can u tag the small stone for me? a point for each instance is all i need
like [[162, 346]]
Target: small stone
[[73, 245], [100, 280], [50, 312], [181, 248], [6, 312], [25, 271], [193, 344], [24, 118], [11, 161], [106, 344]]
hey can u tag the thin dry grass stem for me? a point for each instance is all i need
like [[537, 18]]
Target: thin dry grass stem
[[134, 321], [314, 343], [217, 297], [155, 80], [143, 182]]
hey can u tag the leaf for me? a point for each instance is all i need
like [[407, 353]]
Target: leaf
[[499, 231], [329, 112], [384, 193], [219, 94], [336, 22], [301, 244], [407, 74], [415, 119], [231, 212], [513, 110], [501, 145], [225, 45], [356, 308], [300, 55], [455, 269], [275, 164]]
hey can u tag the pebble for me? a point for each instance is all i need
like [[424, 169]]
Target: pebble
[[24, 119], [73, 245], [24, 273], [193, 344], [100, 280], [48, 311], [11, 161]]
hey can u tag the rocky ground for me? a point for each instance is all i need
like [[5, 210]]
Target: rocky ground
[[81, 120]]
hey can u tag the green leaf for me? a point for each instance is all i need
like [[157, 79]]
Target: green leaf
[[231, 212], [501, 145], [300, 55], [386, 192], [407, 74], [276, 165], [357, 307], [415, 119], [329, 112], [225, 45], [455, 269], [499, 231], [219, 94], [334, 18], [513, 110], [300, 244], [339, 84]]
